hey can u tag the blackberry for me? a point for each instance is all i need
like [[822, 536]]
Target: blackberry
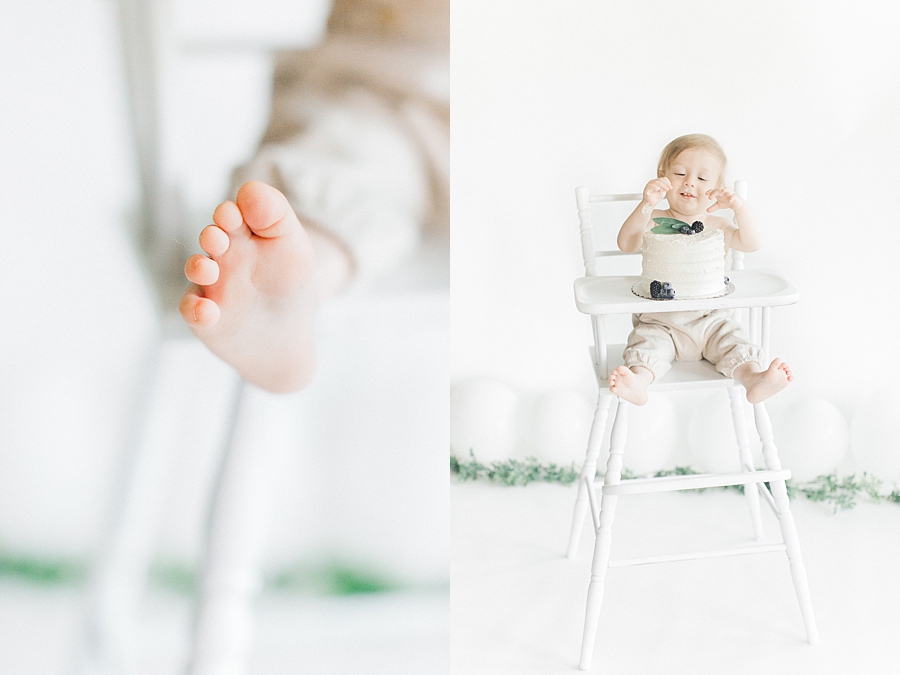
[[655, 288], [697, 226], [686, 229]]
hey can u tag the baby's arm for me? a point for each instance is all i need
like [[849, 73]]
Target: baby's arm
[[632, 231], [748, 236]]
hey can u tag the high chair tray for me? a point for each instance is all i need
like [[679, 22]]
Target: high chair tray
[[752, 288]]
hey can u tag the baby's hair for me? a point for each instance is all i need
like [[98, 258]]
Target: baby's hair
[[689, 142]]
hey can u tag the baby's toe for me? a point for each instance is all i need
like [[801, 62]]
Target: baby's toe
[[214, 240], [265, 210], [198, 312], [228, 216], [201, 270]]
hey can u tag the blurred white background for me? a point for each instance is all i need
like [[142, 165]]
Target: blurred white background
[[365, 480], [804, 98]]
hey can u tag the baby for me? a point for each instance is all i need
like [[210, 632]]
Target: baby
[[691, 177]]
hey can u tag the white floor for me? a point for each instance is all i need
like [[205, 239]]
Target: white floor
[[378, 634], [517, 605]]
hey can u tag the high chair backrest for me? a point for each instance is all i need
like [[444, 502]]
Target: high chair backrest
[[585, 198]]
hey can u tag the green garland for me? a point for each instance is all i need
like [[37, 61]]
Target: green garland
[[513, 471], [840, 493], [329, 578]]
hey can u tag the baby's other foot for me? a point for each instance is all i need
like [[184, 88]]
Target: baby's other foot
[[629, 385], [766, 383], [253, 301]]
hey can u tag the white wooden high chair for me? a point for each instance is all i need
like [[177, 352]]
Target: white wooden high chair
[[603, 296]]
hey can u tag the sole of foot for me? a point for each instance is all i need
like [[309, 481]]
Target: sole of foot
[[628, 385], [769, 382], [253, 297]]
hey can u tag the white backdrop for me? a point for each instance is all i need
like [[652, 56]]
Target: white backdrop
[[803, 96]]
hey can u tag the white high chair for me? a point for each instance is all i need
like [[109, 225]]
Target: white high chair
[[602, 296]]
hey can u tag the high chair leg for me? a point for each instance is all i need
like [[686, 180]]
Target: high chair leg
[[603, 542], [736, 394], [588, 470], [119, 577], [240, 510], [786, 522]]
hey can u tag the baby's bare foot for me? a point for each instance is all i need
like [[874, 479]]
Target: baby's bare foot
[[253, 301], [763, 384], [629, 385]]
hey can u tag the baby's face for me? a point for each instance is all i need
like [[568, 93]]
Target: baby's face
[[692, 173]]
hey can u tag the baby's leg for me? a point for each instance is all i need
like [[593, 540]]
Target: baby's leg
[[348, 162], [255, 297], [648, 355], [762, 384], [735, 356]]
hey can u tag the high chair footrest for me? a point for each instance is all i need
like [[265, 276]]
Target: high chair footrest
[[691, 482]]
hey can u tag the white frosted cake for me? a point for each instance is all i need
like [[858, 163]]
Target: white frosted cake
[[693, 264]]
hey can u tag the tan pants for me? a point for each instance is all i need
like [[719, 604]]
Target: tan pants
[[660, 338], [359, 136]]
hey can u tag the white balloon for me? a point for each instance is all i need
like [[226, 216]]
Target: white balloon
[[711, 437], [559, 428], [652, 436], [483, 420], [875, 435], [812, 437]]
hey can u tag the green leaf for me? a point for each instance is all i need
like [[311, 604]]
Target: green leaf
[[672, 222], [668, 225]]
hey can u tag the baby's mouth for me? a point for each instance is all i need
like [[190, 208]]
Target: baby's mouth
[[687, 196]]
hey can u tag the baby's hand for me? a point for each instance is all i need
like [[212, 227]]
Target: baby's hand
[[723, 198], [655, 190]]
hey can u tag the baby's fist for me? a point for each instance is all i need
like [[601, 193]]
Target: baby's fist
[[655, 190]]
